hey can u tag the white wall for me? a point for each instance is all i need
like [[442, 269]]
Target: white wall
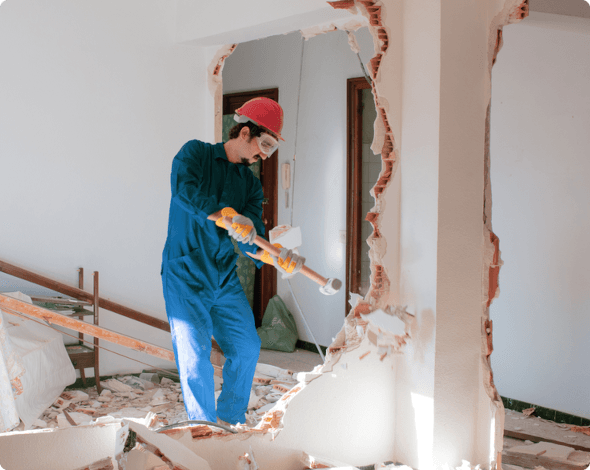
[[540, 169], [320, 169], [95, 101], [231, 21]]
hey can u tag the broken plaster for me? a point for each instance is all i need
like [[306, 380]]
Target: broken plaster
[[513, 11], [383, 144]]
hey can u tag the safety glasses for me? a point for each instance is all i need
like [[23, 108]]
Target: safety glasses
[[267, 143]]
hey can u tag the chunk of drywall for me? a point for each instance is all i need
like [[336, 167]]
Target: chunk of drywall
[[168, 449], [59, 449]]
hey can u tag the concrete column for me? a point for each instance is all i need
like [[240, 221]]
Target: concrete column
[[443, 413]]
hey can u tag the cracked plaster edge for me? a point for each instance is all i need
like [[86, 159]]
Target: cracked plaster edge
[[383, 143], [512, 11], [215, 85], [348, 25]]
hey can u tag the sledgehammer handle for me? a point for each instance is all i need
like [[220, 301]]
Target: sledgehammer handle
[[273, 250]]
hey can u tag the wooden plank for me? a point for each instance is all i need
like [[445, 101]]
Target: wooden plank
[[82, 295], [9, 305], [535, 429], [548, 455], [59, 301], [104, 464]]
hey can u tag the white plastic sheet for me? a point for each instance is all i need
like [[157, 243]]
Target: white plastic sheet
[[36, 365]]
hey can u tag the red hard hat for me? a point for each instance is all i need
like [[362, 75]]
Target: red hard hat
[[264, 112]]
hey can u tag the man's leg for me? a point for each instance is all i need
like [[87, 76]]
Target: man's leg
[[235, 331], [191, 329]]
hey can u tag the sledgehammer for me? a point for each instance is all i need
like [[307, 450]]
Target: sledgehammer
[[327, 286]]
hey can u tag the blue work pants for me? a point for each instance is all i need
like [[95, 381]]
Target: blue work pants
[[196, 311]]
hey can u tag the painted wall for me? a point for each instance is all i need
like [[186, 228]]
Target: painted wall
[[319, 183], [540, 169], [96, 99], [230, 21]]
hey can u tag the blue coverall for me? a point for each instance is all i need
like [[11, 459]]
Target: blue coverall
[[201, 288]]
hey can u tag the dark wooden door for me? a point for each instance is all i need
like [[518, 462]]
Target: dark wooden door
[[354, 186]]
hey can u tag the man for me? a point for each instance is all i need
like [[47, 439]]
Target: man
[[201, 288]]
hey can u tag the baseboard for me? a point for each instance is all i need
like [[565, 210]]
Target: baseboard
[[310, 347], [545, 413]]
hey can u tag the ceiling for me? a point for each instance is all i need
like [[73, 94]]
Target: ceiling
[[580, 8]]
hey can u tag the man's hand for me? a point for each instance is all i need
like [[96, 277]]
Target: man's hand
[[288, 263], [242, 228]]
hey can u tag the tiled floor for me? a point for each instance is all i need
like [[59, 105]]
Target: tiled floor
[[297, 361]]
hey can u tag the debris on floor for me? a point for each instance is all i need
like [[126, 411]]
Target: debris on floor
[[154, 404], [532, 443]]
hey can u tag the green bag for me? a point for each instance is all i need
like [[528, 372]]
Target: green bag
[[278, 330]]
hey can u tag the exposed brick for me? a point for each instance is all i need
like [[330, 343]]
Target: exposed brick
[[372, 217], [387, 150], [342, 4], [375, 62], [494, 269], [378, 190], [363, 309], [200, 432], [383, 115], [498, 45], [520, 12], [222, 59], [272, 420], [488, 325]]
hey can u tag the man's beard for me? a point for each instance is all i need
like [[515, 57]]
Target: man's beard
[[246, 162]]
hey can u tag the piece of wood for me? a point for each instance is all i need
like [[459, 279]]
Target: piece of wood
[[69, 418], [10, 305], [96, 304], [576, 460], [82, 295], [546, 449], [536, 429], [59, 301], [104, 464]]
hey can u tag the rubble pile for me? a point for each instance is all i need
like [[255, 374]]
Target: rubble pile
[[155, 402]]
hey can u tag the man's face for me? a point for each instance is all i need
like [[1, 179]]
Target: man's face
[[251, 152]]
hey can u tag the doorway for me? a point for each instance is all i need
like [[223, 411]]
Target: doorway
[[259, 285], [362, 173]]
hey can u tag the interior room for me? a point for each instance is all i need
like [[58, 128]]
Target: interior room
[[433, 162]]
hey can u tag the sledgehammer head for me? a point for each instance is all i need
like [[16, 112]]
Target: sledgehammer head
[[331, 287]]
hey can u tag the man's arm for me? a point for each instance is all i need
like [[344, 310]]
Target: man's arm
[[187, 183], [253, 210]]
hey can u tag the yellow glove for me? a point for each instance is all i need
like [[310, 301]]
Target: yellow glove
[[242, 229], [267, 258], [288, 263], [225, 212]]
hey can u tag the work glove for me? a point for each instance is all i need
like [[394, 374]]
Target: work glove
[[287, 263], [242, 228]]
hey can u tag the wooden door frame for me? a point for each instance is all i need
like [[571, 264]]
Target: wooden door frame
[[354, 183], [265, 286]]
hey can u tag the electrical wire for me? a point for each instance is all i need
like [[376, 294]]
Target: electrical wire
[[305, 321], [358, 54], [293, 193], [19, 314], [297, 127]]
